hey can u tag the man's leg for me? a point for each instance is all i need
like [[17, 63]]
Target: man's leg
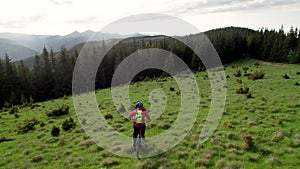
[[134, 135]]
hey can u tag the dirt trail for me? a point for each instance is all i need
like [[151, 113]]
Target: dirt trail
[[268, 63]]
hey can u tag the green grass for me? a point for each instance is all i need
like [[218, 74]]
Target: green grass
[[270, 118]]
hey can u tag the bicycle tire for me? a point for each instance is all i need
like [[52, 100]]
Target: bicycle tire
[[138, 146]]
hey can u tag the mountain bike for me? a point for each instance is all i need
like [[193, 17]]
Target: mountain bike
[[138, 144]]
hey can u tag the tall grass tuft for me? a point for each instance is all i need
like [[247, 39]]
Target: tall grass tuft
[[61, 110], [259, 74]]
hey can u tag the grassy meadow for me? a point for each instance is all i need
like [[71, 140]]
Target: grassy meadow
[[259, 127]]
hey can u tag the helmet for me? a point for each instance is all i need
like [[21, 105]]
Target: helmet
[[139, 104]]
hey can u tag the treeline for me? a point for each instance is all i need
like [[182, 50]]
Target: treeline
[[268, 45], [51, 75]]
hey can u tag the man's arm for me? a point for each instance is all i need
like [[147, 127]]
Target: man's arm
[[147, 116], [131, 115]]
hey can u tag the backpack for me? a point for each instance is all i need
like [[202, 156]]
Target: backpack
[[139, 116]]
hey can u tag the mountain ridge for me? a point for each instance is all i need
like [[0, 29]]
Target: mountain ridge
[[36, 43]]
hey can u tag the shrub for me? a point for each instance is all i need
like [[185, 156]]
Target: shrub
[[17, 115], [164, 126], [242, 90], [172, 89], [235, 165], [239, 81], [3, 139], [23, 100], [31, 100], [249, 95], [296, 84], [42, 124], [62, 110], [55, 131], [259, 74], [13, 110], [265, 151], [37, 158], [238, 73], [285, 76], [109, 162], [148, 164], [274, 161], [27, 125], [108, 116], [202, 162], [248, 142], [68, 124], [245, 68]]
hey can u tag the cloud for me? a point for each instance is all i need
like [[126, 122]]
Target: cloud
[[83, 20], [61, 2], [216, 6], [22, 22]]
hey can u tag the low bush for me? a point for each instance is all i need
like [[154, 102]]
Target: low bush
[[17, 115], [13, 110], [68, 124], [62, 110], [3, 139], [285, 76], [148, 164], [110, 162], [37, 159], [259, 74], [27, 125], [238, 73], [55, 131], [239, 81], [108, 116], [245, 68], [248, 142], [242, 90], [256, 64], [249, 95]]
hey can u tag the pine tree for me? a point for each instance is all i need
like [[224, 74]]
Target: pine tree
[[2, 93], [11, 82], [294, 56], [25, 80], [47, 76], [36, 78], [64, 73]]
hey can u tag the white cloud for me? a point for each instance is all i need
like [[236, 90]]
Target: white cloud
[[65, 16]]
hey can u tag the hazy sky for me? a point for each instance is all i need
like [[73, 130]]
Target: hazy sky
[[65, 16]]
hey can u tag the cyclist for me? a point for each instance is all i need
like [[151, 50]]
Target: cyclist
[[139, 116]]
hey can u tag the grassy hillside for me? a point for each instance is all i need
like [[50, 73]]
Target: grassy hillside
[[260, 130]]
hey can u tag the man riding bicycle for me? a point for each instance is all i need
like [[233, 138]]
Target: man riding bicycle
[[139, 116]]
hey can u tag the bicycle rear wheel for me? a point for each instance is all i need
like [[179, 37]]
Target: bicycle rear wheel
[[138, 146]]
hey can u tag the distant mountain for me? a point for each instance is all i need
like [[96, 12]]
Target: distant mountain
[[35, 43], [14, 50]]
